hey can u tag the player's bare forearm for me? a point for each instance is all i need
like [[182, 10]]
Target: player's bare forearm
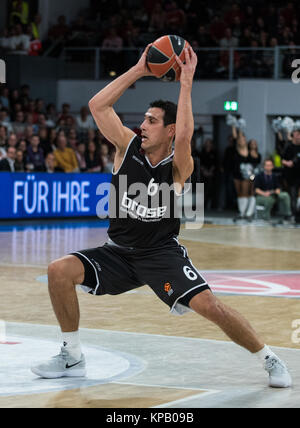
[[184, 119]]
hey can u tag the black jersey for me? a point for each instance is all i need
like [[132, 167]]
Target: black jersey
[[147, 218]]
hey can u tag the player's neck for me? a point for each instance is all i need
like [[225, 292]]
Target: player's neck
[[157, 155]]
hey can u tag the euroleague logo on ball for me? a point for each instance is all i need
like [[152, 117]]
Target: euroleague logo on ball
[[161, 57]]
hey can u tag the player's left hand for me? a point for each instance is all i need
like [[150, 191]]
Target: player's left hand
[[189, 67]]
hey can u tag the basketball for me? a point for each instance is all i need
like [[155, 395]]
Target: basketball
[[161, 57]]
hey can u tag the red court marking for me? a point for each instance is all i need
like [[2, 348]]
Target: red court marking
[[278, 284], [10, 343]]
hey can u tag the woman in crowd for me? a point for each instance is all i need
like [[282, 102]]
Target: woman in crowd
[[243, 176], [93, 158]]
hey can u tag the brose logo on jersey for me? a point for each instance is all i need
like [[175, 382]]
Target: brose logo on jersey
[[137, 210], [145, 204]]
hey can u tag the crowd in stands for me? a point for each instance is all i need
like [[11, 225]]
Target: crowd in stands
[[134, 23], [242, 180], [34, 137]]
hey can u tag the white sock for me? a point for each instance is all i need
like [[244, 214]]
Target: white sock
[[71, 342], [251, 206], [264, 353], [242, 205]]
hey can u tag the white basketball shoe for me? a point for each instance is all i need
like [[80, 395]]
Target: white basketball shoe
[[279, 376], [62, 365]]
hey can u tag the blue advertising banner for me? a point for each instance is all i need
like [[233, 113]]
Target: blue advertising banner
[[34, 195]]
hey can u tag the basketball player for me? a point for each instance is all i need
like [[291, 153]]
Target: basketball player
[[140, 251]]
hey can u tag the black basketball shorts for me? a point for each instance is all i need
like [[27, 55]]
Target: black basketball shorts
[[112, 269]]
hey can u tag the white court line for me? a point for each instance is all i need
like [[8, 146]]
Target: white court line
[[171, 403], [184, 400], [131, 333]]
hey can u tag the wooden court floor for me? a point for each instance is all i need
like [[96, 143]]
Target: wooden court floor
[[25, 253]]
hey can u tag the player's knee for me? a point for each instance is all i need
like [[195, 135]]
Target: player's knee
[[65, 271], [207, 305]]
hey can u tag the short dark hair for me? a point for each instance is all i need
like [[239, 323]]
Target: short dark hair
[[269, 160], [169, 108]]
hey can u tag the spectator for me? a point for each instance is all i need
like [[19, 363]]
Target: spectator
[[64, 156], [246, 38], [35, 156], [51, 115], [228, 41], [80, 155], [59, 31], [157, 19], [35, 27], [8, 164], [19, 125], [3, 138], [72, 139], [4, 97], [19, 12], [254, 155], [208, 168], [19, 162], [19, 42], [242, 174], [203, 38], [234, 12], [217, 28], [93, 158], [22, 145], [112, 58], [4, 120], [175, 18], [5, 40], [85, 120], [291, 163], [65, 114], [52, 136], [50, 164], [44, 140], [12, 140], [29, 131], [268, 192], [106, 158], [35, 47]]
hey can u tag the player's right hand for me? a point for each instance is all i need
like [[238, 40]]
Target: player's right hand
[[141, 67]]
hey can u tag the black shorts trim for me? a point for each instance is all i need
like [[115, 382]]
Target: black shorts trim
[[185, 299], [90, 272]]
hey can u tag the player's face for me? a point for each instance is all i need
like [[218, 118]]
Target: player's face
[[153, 131]]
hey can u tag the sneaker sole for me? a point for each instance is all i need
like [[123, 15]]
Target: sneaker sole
[[56, 375]]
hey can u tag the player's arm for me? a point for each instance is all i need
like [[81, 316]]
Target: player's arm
[[101, 105], [183, 164]]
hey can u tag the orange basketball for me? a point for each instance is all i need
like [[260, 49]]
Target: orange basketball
[[161, 57]]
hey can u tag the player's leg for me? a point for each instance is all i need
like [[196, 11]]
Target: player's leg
[[239, 330], [63, 275], [178, 283], [100, 271], [234, 325]]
